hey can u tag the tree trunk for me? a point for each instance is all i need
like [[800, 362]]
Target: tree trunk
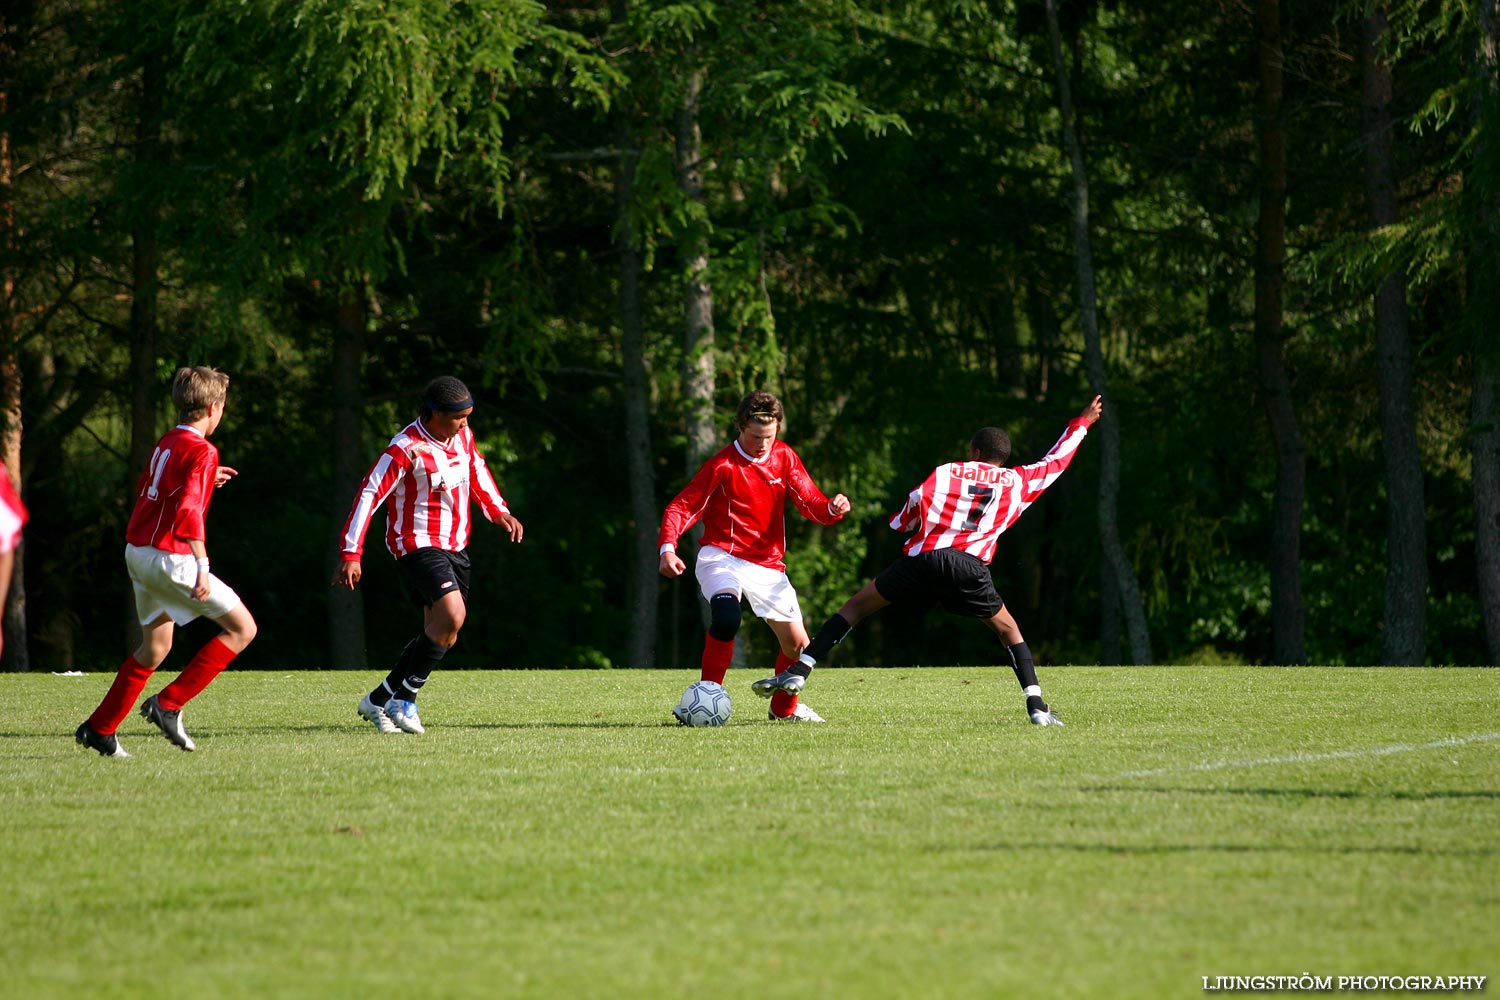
[[1406, 508], [645, 590], [346, 608], [1287, 613], [1484, 281], [145, 250], [697, 295], [1126, 586], [697, 308]]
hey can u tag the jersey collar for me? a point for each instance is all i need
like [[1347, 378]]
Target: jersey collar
[[746, 457], [450, 447]]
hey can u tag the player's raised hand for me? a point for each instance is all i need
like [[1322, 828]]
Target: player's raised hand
[[671, 564], [839, 505], [348, 574], [223, 475], [1094, 410], [512, 527]]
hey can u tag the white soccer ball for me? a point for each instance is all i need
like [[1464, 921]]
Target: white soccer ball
[[704, 703]]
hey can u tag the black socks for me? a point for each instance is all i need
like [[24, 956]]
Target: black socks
[[831, 634], [416, 663]]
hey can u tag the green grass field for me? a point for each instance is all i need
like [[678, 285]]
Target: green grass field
[[551, 836]]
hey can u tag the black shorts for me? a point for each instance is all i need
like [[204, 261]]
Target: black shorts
[[960, 582], [431, 574]]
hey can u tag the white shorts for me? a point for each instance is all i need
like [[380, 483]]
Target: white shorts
[[164, 585], [770, 593]]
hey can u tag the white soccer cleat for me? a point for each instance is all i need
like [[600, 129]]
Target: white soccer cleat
[[1045, 718], [376, 716], [404, 715], [785, 681], [801, 713]]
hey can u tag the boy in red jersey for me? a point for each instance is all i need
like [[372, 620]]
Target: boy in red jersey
[[12, 519], [740, 494], [956, 516], [168, 562], [430, 471]]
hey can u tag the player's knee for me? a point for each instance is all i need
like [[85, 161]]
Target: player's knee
[[724, 616], [455, 621]]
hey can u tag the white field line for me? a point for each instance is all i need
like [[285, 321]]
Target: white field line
[[1305, 758]]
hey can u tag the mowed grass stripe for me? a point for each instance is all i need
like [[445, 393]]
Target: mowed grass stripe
[[554, 835]]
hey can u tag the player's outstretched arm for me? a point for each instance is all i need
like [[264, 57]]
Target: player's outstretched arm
[[1094, 410]]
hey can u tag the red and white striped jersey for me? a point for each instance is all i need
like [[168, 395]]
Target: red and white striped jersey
[[12, 513], [966, 505], [172, 498], [742, 503], [429, 485]]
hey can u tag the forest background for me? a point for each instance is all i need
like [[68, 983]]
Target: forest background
[[1266, 233]]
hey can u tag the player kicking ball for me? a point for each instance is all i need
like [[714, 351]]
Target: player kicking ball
[[956, 516], [167, 557], [740, 495]]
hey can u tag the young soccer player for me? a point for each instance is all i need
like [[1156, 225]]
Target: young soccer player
[[956, 516], [740, 494], [167, 557], [12, 519], [430, 471]]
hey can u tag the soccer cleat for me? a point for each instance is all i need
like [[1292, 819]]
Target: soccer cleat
[[107, 746], [170, 723], [1038, 712], [799, 714], [785, 681], [404, 715], [376, 716]]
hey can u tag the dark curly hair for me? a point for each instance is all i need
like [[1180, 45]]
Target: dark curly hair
[[992, 445], [442, 393], [760, 407]]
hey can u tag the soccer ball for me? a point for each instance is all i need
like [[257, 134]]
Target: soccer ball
[[704, 703]]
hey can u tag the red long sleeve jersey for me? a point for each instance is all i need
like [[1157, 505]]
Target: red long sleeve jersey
[[172, 497], [12, 514], [742, 504], [429, 485], [966, 505]]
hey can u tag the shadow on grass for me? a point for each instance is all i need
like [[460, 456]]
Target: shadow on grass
[[1299, 793]]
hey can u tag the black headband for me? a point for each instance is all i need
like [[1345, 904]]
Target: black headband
[[454, 407]]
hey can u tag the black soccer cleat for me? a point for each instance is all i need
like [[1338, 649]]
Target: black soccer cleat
[[107, 746], [170, 723]]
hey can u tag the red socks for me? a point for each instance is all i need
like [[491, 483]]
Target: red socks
[[783, 703], [716, 656], [130, 681], [202, 668]]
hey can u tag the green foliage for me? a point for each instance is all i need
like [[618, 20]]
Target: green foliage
[[885, 220]]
